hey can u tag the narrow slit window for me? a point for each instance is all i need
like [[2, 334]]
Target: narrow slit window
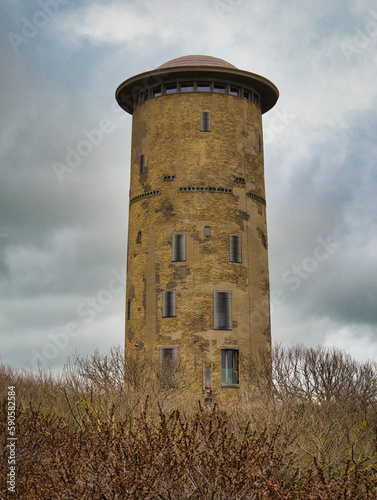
[[141, 164], [229, 367], [178, 247], [235, 251], [222, 310], [168, 304], [207, 377], [205, 122], [207, 231], [128, 309], [138, 239], [260, 143], [264, 241]]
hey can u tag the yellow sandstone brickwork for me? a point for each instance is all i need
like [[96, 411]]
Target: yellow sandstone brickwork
[[166, 130], [179, 162]]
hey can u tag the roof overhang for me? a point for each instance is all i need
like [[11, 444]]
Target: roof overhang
[[127, 90]]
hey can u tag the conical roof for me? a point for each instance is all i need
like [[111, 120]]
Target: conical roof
[[196, 60]]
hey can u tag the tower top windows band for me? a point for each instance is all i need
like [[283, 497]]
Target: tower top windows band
[[195, 74], [184, 87]]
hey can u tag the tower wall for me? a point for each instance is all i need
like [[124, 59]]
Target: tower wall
[[191, 180]]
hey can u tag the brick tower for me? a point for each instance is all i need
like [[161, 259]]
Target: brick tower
[[197, 275]]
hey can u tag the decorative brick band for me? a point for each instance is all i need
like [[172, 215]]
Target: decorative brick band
[[241, 180], [209, 189], [256, 197], [148, 194]]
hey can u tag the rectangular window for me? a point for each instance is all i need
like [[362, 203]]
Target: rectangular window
[[171, 89], [157, 92], [219, 88], [141, 164], [222, 310], [128, 309], [207, 377], [144, 96], [235, 253], [207, 231], [168, 366], [178, 247], [168, 304], [203, 87], [229, 367], [234, 91], [187, 87], [205, 122]]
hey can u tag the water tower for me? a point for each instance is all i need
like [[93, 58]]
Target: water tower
[[197, 272]]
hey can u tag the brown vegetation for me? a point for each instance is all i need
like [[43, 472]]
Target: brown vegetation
[[102, 431]]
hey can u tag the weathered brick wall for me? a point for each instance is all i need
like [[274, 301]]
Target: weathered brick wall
[[166, 130]]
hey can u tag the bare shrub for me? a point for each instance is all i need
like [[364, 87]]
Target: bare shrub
[[115, 427], [172, 456], [319, 374]]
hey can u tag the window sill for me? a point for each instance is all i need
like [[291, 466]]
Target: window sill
[[230, 386]]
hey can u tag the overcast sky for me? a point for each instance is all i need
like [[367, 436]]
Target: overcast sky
[[64, 205]]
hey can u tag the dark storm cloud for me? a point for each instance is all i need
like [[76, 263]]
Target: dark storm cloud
[[56, 254], [329, 195], [63, 215]]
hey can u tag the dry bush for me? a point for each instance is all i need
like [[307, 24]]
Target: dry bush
[[89, 433], [320, 374], [170, 457]]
